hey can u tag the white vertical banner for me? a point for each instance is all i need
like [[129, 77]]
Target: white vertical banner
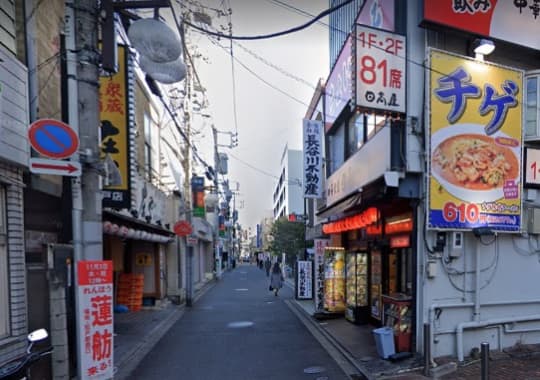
[[304, 277], [313, 158], [318, 276], [95, 311]]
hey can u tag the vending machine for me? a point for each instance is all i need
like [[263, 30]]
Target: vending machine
[[334, 281], [357, 287]]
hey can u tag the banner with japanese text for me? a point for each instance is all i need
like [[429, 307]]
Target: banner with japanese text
[[380, 69], [115, 141], [475, 120], [95, 312], [515, 21], [304, 279], [313, 174], [318, 273]]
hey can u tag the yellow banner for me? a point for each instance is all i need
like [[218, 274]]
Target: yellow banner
[[475, 144], [113, 103]]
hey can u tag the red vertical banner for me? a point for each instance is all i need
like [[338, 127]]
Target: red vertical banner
[[95, 312]]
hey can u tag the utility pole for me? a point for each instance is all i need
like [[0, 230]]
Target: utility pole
[[216, 189], [82, 67], [187, 167], [87, 76]]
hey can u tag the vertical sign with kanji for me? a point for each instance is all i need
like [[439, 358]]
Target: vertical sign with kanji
[[318, 275], [313, 158], [115, 121], [304, 277], [95, 311]]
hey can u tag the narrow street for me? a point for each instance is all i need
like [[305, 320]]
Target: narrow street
[[239, 330]]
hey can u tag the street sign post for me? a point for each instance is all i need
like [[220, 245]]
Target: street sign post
[[55, 167], [52, 138]]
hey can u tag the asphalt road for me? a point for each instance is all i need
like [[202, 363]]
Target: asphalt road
[[239, 330]]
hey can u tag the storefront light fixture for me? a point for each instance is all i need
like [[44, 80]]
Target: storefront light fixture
[[482, 47]]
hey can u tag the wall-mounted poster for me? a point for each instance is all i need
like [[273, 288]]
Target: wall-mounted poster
[[475, 144]]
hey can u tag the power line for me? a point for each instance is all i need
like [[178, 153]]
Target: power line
[[262, 79], [271, 35]]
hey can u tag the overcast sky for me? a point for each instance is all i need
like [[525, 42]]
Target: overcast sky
[[267, 119]]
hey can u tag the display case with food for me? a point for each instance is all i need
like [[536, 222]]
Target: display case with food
[[356, 280], [334, 280]]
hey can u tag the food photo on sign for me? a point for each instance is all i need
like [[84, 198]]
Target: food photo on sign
[[475, 144]]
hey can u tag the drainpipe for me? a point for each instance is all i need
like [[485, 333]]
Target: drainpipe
[[488, 322], [477, 287]]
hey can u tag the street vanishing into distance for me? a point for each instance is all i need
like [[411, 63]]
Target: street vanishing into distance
[[239, 330]]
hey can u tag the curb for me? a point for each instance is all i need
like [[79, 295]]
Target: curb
[[129, 362], [342, 351]]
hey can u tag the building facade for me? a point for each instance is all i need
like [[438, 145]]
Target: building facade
[[451, 250], [288, 197]]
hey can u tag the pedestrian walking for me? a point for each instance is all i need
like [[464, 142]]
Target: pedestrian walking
[[276, 279], [267, 266]]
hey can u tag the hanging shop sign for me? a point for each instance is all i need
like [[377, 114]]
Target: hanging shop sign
[[512, 21], [313, 169], [475, 123], [304, 283], [197, 192], [115, 110], [338, 88], [380, 69], [318, 273], [400, 241], [531, 171], [378, 14], [182, 228], [95, 310]]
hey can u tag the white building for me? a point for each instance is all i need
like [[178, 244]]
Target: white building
[[288, 192]]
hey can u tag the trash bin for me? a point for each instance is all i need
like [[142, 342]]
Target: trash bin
[[384, 340]]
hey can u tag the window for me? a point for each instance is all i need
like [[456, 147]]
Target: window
[[147, 147], [374, 124], [336, 148], [4, 280], [357, 132], [531, 106]]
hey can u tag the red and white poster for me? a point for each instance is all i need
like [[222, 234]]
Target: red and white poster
[[380, 69], [95, 311], [516, 21]]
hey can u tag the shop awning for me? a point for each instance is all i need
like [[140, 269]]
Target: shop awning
[[337, 209]]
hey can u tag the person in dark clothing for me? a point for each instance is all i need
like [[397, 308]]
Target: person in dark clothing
[[267, 266], [276, 279]]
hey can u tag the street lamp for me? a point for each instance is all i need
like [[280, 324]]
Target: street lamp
[[482, 47]]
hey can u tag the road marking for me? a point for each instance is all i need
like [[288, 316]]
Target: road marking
[[241, 290], [240, 324]]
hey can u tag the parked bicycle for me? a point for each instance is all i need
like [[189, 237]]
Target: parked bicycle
[[18, 369]]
